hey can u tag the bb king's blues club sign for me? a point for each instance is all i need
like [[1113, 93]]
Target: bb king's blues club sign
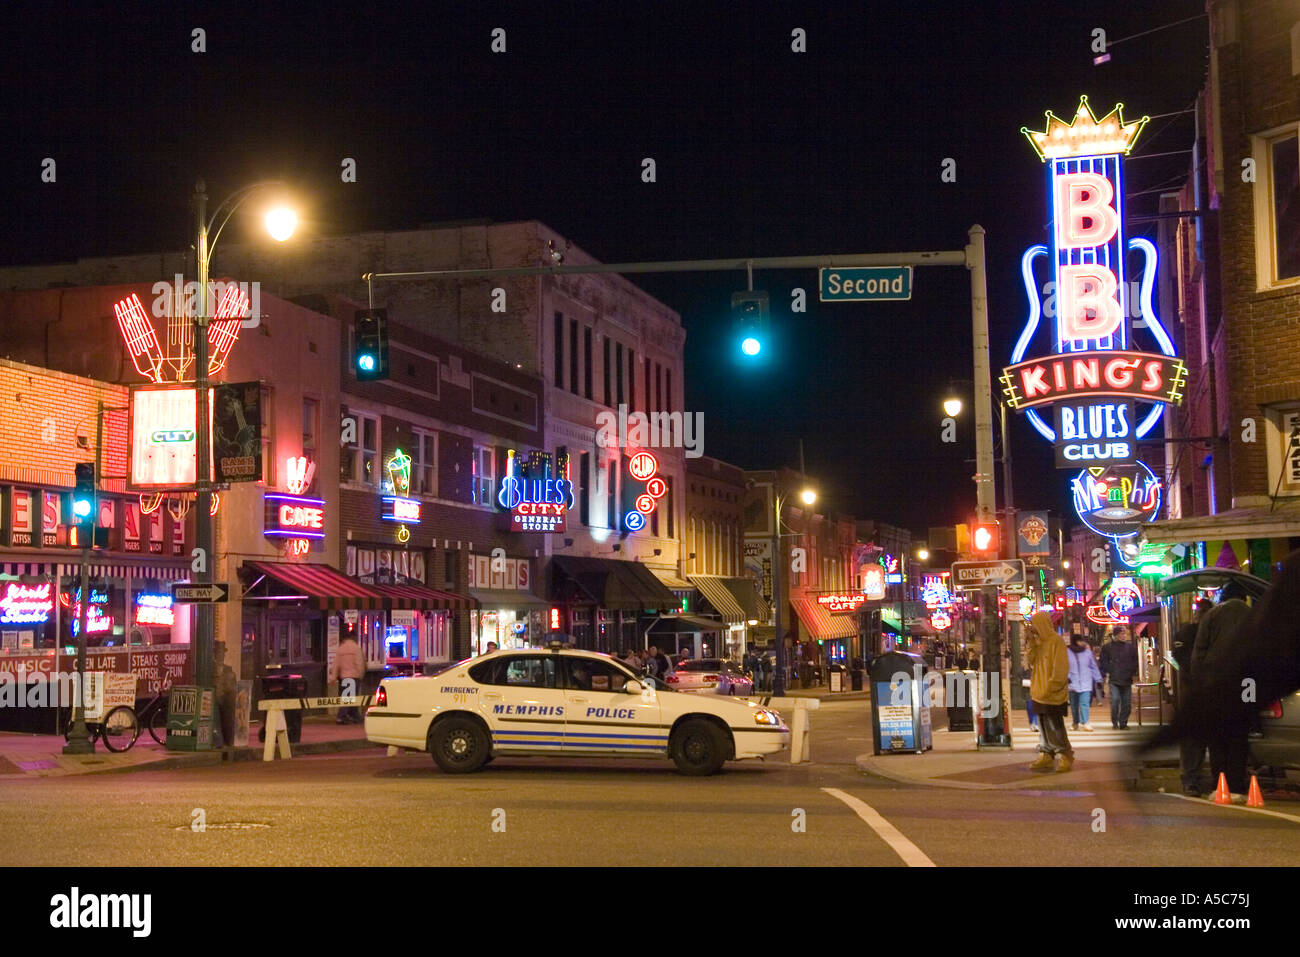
[[1108, 369]]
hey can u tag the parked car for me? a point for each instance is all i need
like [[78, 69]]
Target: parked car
[[711, 675]]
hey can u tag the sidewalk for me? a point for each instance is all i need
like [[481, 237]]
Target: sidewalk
[[1104, 759], [25, 756]]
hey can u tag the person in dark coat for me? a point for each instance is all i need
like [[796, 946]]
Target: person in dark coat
[[1260, 662], [1191, 750], [1119, 663]]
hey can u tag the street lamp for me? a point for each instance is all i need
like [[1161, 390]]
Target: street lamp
[[952, 407], [923, 555], [280, 223], [808, 497]]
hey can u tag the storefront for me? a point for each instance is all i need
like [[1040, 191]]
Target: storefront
[[606, 605], [737, 602], [833, 633], [509, 614]]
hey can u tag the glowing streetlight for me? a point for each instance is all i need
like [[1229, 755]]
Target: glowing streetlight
[[808, 496], [281, 222], [952, 407], [923, 554]]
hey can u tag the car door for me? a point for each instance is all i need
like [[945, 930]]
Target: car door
[[603, 718], [523, 704]]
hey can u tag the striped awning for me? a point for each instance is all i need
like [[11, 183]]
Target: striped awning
[[736, 599], [97, 570], [821, 624], [420, 598], [321, 586]]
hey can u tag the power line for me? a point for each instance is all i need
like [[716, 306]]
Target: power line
[[1167, 26]]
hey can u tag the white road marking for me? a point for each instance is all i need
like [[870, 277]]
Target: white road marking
[[912, 855], [1235, 807]]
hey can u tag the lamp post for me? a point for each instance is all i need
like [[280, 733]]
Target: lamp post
[[808, 497], [280, 224]]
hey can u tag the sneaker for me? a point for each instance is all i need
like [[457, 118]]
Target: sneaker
[[1123, 727], [1074, 727], [1034, 728], [1114, 726], [1066, 763], [1087, 727]]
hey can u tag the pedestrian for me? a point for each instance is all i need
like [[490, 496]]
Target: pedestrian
[[1026, 675], [1119, 663], [962, 661], [1099, 689], [662, 665], [1191, 749], [348, 666], [1084, 674], [652, 662], [1049, 689], [491, 647], [1228, 738], [632, 660]]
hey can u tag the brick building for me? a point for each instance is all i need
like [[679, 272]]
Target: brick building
[[1235, 500]]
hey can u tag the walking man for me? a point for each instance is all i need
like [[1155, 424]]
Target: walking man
[[1049, 688], [1119, 662]]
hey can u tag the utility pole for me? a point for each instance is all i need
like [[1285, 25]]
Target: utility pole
[[79, 741]]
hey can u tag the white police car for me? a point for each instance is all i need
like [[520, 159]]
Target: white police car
[[560, 701]]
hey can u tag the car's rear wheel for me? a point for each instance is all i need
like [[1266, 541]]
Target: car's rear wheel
[[698, 747], [458, 745]]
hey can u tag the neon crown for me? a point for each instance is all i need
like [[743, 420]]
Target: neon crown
[[1085, 135]]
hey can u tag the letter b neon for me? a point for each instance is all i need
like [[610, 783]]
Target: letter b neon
[[1084, 215], [1088, 307]]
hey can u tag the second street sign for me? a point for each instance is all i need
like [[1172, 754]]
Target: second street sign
[[857, 283]]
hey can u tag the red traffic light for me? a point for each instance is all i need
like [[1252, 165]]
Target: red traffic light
[[985, 537]]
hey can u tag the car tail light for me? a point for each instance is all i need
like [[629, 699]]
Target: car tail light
[[1274, 710], [381, 697], [672, 679], [710, 677]]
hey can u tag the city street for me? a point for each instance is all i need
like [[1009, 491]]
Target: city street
[[364, 808]]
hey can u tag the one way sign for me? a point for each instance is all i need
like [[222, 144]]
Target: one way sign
[[999, 571], [215, 593]]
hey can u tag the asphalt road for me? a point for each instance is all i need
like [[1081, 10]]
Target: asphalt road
[[364, 808]]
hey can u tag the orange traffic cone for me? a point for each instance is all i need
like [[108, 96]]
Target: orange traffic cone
[[1221, 795], [1254, 798]]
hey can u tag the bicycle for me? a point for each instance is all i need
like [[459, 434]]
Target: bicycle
[[120, 728]]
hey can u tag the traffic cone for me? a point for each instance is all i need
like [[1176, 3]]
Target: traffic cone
[[1254, 798], [1221, 795]]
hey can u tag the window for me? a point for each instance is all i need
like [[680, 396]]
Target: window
[[631, 380], [611, 490], [573, 356], [586, 355], [584, 488], [668, 389], [268, 436], [519, 671], [310, 427], [369, 431], [1277, 208], [605, 366], [1284, 451], [668, 506], [484, 474], [559, 349], [618, 368], [659, 388], [449, 563], [591, 674], [424, 464], [647, 407]]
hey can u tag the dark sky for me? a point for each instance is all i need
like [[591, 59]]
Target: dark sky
[[760, 151]]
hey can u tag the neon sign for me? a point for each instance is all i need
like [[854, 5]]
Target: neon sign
[[841, 603], [399, 473], [397, 509], [27, 604], [164, 453], [1121, 598], [292, 516], [300, 473], [873, 581], [154, 609], [940, 620], [1094, 376], [643, 467], [537, 502], [934, 592]]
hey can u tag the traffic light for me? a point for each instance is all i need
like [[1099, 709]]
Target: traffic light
[[83, 504], [370, 344], [749, 311], [985, 538]]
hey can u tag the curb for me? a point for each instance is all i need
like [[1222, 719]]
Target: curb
[[871, 764]]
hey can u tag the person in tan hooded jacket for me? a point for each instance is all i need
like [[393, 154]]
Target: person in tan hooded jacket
[[1049, 690]]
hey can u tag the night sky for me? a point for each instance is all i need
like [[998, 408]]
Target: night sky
[[760, 151]]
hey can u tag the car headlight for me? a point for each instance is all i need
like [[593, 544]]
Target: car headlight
[[763, 716]]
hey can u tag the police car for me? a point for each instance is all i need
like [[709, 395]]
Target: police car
[[560, 701]]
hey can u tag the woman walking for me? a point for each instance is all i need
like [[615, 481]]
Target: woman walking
[[1049, 690], [1084, 675]]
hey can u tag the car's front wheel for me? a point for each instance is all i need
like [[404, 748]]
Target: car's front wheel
[[698, 747], [458, 745]]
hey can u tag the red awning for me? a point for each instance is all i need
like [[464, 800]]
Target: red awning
[[420, 598], [322, 586], [821, 624]]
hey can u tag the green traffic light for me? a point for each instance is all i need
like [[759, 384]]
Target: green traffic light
[[750, 346], [366, 363]]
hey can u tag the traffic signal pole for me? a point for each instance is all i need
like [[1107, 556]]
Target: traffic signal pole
[[79, 741]]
